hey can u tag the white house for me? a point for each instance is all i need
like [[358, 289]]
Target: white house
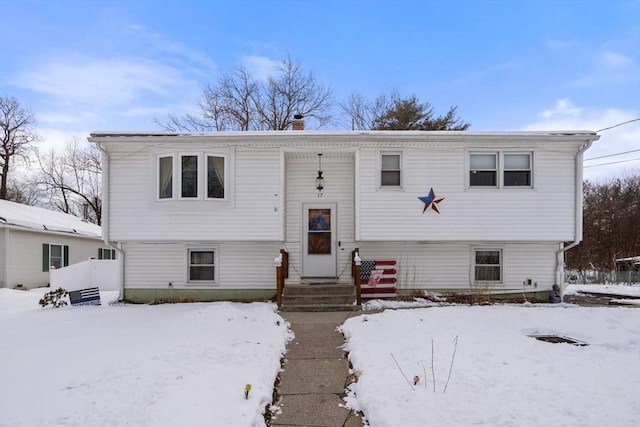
[[203, 215], [32, 240]]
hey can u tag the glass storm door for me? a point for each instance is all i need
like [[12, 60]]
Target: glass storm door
[[319, 248]]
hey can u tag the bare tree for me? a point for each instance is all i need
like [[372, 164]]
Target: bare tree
[[393, 112], [17, 136], [241, 102], [611, 224], [72, 180]]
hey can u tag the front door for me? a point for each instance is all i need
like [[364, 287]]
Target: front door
[[319, 240]]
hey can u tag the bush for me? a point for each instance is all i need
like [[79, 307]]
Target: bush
[[57, 298]]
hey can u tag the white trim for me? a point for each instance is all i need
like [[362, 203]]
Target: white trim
[[473, 265], [401, 161]]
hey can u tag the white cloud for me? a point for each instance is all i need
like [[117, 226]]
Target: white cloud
[[259, 66], [563, 108], [555, 44], [566, 116], [100, 81], [616, 60]]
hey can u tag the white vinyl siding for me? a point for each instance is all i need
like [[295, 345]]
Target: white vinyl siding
[[251, 203], [166, 265], [24, 261], [544, 212]]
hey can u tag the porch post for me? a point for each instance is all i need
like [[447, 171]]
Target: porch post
[[355, 271]]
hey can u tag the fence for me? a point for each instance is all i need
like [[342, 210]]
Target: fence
[[100, 273], [597, 277]]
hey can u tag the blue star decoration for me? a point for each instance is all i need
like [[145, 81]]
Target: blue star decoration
[[430, 201]]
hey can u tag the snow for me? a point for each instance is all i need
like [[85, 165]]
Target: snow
[[499, 375], [35, 218], [136, 365], [622, 290], [188, 364]]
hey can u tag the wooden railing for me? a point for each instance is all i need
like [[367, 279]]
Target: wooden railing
[[355, 273], [282, 272]]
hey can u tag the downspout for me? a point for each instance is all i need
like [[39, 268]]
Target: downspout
[[105, 219], [578, 219]]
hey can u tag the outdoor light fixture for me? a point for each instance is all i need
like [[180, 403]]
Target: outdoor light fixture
[[319, 178]]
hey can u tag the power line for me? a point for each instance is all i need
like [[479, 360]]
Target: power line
[[611, 163], [611, 155], [619, 124]]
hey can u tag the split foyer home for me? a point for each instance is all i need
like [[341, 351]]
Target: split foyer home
[[34, 240], [205, 216]]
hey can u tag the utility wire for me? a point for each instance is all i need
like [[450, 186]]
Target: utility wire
[[611, 155], [619, 124], [611, 163]]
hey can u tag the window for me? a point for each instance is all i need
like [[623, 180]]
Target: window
[[201, 265], [165, 175], [517, 170], [500, 170], [105, 253], [483, 170], [390, 171], [189, 176], [487, 265], [192, 176], [54, 255], [215, 177]]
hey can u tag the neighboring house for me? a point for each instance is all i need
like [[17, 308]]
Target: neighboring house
[[203, 215], [32, 240]]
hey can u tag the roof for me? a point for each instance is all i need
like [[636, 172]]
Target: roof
[[39, 219], [352, 137]]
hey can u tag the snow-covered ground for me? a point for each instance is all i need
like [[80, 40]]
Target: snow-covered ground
[[136, 365], [495, 374], [188, 364]]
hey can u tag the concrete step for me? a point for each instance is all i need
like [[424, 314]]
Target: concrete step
[[328, 289], [318, 299], [321, 307], [325, 297]]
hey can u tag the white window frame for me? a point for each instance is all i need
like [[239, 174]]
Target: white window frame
[[496, 170], [202, 176], [530, 169], [400, 171], [500, 169], [51, 245], [216, 264], [474, 265]]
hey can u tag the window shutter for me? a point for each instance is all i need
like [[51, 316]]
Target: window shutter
[[65, 256], [100, 255], [45, 257]]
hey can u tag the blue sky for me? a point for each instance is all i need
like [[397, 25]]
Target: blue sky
[[116, 65]]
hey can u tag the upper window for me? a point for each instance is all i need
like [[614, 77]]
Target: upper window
[[517, 169], [390, 171], [500, 170], [201, 265], [195, 175], [483, 170], [487, 265]]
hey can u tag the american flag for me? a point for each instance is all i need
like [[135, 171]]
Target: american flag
[[377, 272]]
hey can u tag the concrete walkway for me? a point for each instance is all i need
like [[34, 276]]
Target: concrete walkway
[[316, 373]]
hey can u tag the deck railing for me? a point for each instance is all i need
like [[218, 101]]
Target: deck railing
[[355, 273], [282, 273]]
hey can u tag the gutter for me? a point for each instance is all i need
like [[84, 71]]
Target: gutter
[[578, 218], [105, 219]]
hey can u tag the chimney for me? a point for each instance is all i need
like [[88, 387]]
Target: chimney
[[298, 122]]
